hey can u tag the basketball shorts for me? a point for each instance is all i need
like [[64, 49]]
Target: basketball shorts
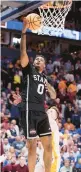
[[35, 123]]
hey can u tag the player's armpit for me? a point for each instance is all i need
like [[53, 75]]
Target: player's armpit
[[23, 54], [51, 91]]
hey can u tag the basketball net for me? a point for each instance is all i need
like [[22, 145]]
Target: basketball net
[[53, 14]]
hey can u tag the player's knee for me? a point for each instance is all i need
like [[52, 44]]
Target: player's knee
[[48, 146], [31, 146]]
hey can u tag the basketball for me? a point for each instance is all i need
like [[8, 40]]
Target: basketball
[[33, 21]]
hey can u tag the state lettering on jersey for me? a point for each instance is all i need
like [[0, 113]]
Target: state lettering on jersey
[[38, 78]]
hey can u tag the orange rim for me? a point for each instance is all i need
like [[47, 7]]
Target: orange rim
[[48, 5]]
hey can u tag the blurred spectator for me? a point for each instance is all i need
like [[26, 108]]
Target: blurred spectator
[[10, 167], [62, 84], [75, 152], [5, 122], [72, 88], [49, 67], [76, 118], [6, 145], [62, 95], [11, 133], [17, 90], [64, 151], [68, 111], [67, 167], [5, 111], [69, 77], [71, 156], [66, 134], [3, 95], [68, 66], [68, 125], [12, 151], [15, 126], [22, 165], [8, 159], [77, 167], [18, 144], [56, 65], [8, 89], [78, 103], [13, 108]]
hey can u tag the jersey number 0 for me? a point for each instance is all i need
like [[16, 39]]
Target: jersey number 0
[[40, 89]]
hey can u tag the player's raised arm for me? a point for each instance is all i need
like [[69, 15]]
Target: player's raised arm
[[23, 54]]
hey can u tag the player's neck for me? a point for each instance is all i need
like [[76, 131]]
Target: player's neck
[[39, 70]]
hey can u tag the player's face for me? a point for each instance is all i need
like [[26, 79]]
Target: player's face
[[39, 63]]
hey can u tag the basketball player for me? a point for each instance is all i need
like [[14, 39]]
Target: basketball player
[[34, 119]]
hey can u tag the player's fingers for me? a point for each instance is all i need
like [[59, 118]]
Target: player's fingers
[[25, 21]]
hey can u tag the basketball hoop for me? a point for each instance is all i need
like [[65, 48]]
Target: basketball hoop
[[54, 13]]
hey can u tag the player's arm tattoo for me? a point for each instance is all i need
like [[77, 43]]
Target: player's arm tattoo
[[51, 91], [23, 54]]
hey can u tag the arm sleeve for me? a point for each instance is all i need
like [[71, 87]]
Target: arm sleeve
[[27, 70]]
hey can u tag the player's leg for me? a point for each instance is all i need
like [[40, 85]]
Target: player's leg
[[32, 143], [27, 128], [47, 144], [44, 132]]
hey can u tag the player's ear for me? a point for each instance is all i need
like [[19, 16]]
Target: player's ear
[[44, 66], [44, 63]]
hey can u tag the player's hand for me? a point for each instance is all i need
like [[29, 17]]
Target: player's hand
[[24, 25]]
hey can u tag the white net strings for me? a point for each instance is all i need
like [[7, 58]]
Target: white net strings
[[55, 17]]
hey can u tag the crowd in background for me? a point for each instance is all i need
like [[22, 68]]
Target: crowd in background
[[65, 75]]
